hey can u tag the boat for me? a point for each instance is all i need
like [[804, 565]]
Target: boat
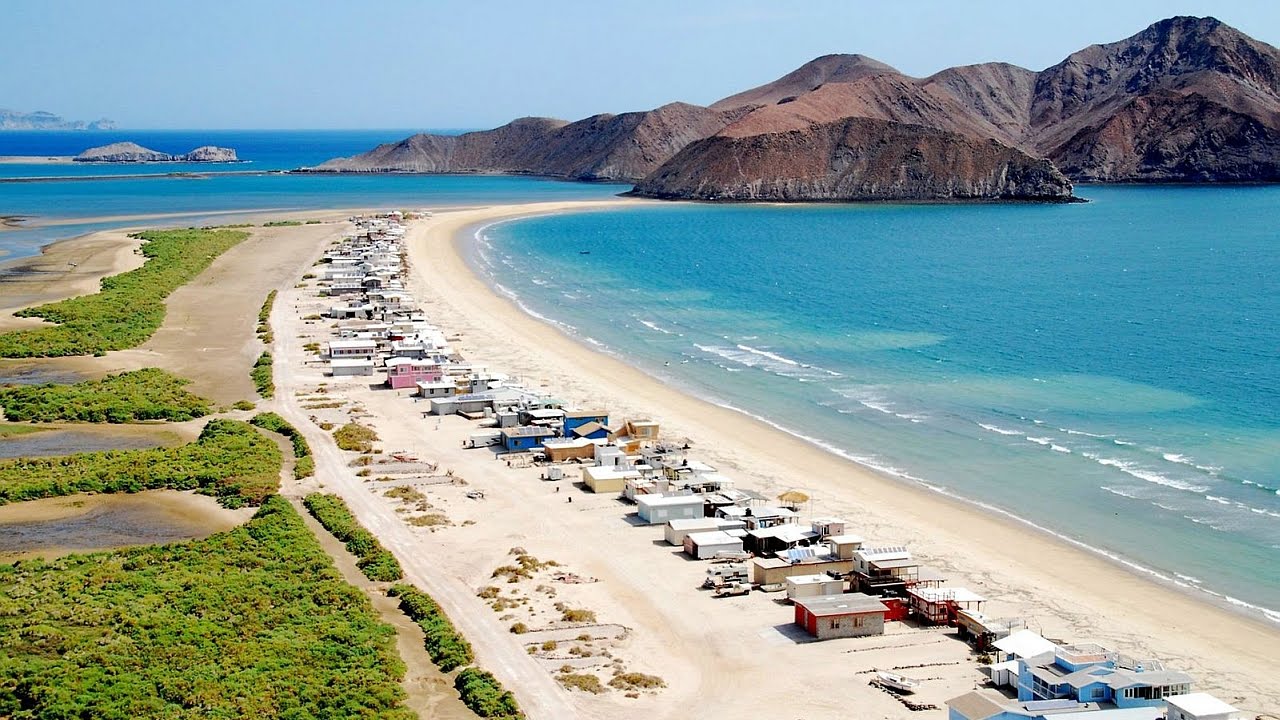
[[896, 682]]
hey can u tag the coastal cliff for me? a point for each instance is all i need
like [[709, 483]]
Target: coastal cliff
[[1186, 100], [128, 152], [854, 159]]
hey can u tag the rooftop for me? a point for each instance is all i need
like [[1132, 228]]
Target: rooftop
[[1200, 704], [656, 500], [842, 604]]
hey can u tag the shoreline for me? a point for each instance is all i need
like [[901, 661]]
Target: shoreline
[[946, 528]]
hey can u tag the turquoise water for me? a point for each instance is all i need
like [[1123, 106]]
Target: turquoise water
[[1109, 372]]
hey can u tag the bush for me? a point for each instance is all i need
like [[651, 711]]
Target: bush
[[447, 648], [375, 561], [582, 681], [636, 681], [261, 375], [304, 465], [230, 461], [486, 697], [147, 394], [251, 623], [282, 223], [242, 405], [355, 437], [130, 307]]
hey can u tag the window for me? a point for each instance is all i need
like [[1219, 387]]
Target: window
[[1099, 693], [835, 624]]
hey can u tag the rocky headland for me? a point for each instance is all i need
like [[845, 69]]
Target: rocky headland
[[1186, 100], [128, 152]]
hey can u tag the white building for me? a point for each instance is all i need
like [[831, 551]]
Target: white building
[[1200, 706], [658, 509]]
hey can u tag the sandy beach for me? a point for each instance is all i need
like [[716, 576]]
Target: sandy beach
[[736, 655]]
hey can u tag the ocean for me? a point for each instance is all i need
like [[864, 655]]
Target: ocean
[[1109, 372]]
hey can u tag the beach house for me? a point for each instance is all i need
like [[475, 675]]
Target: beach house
[[840, 616], [989, 705], [807, 586], [940, 605], [676, 530], [884, 569], [658, 509], [574, 419], [708, 544], [1200, 706], [1091, 673], [363, 348], [523, 438], [403, 372]]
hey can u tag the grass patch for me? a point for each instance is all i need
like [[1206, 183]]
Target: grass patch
[[447, 648], [242, 405], [486, 697], [230, 460], [264, 318], [282, 223], [375, 561], [255, 623], [130, 307], [636, 681], [147, 394], [355, 437], [581, 681], [261, 376], [305, 465], [10, 430]]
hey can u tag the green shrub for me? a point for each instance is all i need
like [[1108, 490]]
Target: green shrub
[[147, 394], [282, 223], [230, 461], [447, 648], [261, 375], [251, 623], [375, 561], [242, 405], [355, 437], [304, 465], [130, 306], [636, 681], [582, 681], [486, 697]]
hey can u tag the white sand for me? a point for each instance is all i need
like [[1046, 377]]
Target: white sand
[[723, 656]]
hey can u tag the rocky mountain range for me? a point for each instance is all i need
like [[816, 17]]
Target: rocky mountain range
[[1186, 100], [128, 152], [41, 120]]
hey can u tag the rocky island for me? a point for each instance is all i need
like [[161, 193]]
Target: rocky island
[[128, 152], [1186, 100]]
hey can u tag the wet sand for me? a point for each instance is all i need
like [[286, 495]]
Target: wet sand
[[52, 439], [87, 522]]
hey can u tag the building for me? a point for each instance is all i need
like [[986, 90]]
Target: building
[[941, 605], [607, 478], [805, 586], [844, 546], [437, 389], [709, 543], [676, 530], [777, 538], [840, 616], [353, 348], [403, 372], [1091, 673], [591, 431], [519, 439], [560, 450], [982, 705], [884, 570], [1200, 706], [349, 366], [774, 570], [643, 430], [658, 509], [574, 419]]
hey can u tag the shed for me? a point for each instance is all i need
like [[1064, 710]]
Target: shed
[[1200, 706], [658, 509], [844, 615], [803, 586], [707, 544], [348, 366], [676, 530]]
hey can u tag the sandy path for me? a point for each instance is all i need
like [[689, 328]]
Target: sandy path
[[1063, 590]]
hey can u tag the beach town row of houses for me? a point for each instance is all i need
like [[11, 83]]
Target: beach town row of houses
[[839, 584]]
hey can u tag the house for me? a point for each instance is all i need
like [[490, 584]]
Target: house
[[574, 419], [676, 530], [658, 509], [560, 450], [436, 389], [709, 543], [518, 439], [591, 430], [844, 546], [353, 348], [607, 478], [403, 372], [644, 430], [940, 605], [346, 367], [758, 518], [806, 586], [982, 631], [775, 538], [886, 569], [1200, 706], [827, 526], [840, 616], [1091, 673], [986, 705], [771, 570]]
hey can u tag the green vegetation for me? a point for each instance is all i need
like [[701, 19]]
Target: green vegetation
[[130, 306], [582, 681], [355, 437], [636, 681], [305, 465], [251, 623], [377, 563], [282, 223], [261, 376], [486, 697], [447, 648], [264, 318], [242, 405], [147, 394], [230, 461], [9, 430]]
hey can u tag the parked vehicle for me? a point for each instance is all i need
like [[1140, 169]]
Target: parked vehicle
[[737, 588]]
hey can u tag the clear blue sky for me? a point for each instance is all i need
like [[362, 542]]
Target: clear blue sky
[[407, 64]]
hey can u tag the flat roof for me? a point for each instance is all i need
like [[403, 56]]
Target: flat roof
[[351, 362], [1025, 644], [815, 579], [842, 604], [527, 431], [938, 594], [353, 343], [1200, 704], [652, 500], [714, 537], [843, 539]]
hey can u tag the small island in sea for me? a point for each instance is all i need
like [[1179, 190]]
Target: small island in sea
[[129, 152]]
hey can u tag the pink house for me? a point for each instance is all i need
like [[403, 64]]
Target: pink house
[[407, 372]]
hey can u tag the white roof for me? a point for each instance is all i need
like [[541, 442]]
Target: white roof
[[1200, 704], [1025, 644], [351, 362], [844, 539], [811, 579], [713, 537], [957, 594], [357, 343], [890, 552], [653, 500]]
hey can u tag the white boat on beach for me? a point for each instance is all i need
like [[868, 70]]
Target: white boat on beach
[[896, 682]]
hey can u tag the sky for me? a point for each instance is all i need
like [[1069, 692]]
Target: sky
[[420, 64]]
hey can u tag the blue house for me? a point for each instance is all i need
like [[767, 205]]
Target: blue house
[[527, 437], [1092, 674], [574, 419], [591, 431], [979, 705]]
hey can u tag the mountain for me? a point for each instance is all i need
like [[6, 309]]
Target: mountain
[[854, 159], [128, 152], [41, 120], [602, 147], [1186, 100]]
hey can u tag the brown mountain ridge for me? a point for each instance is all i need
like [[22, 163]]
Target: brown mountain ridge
[[1185, 100]]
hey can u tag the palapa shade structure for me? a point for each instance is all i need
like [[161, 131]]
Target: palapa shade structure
[[793, 498]]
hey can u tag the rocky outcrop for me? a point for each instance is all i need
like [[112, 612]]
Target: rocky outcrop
[[854, 159], [602, 147], [129, 152]]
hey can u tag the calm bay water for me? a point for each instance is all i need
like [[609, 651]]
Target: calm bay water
[[1108, 371]]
